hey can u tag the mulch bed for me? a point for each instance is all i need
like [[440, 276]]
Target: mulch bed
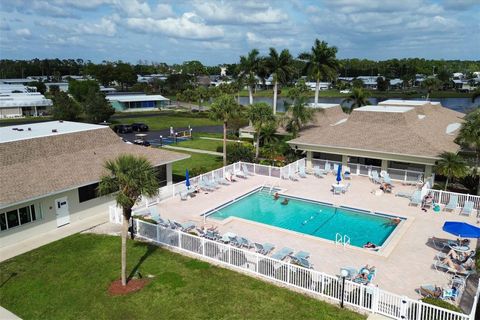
[[133, 285]]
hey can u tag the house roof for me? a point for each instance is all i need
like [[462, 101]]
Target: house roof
[[32, 168], [424, 130], [136, 97]]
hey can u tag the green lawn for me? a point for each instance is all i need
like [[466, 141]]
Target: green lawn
[[165, 120], [68, 279], [203, 144], [196, 161]]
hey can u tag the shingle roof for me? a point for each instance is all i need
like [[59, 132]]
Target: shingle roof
[[418, 131], [35, 167]]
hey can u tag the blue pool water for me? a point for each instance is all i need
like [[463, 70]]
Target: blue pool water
[[308, 217]]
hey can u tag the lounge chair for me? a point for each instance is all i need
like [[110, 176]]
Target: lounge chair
[[387, 179], [285, 176], [282, 253], [292, 177], [439, 265], [302, 173], [346, 188], [375, 177], [264, 249], [371, 272], [221, 180], [416, 198], [205, 186], [337, 189], [300, 255], [439, 244], [240, 174], [183, 195], [452, 203], [185, 227], [304, 263], [245, 169], [244, 242], [317, 172], [430, 291], [404, 194], [211, 235], [467, 208], [346, 173], [211, 183]]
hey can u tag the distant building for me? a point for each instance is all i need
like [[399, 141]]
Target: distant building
[[322, 85], [136, 101], [396, 83], [369, 82], [16, 105], [62, 86]]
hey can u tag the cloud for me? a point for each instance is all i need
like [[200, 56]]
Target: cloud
[[139, 9], [188, 26], [24, 33], [231, 13], [4, 26], [460, 4], [105, 27], [261, 41]]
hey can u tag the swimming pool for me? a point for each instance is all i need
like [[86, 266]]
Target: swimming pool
[[309, 217]]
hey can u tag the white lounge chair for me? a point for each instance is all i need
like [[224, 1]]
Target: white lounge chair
[[317, 172], [416, 198], [240, 174], [302, 173], [245, 169], [467, 208], [452, 203]]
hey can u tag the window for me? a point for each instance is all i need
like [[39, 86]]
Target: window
[[87, 192], [161, 173], [17, 217]]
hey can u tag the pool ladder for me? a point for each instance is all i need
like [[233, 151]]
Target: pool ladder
[[343, 240]]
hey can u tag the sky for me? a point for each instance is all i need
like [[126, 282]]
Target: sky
[[216, 32]]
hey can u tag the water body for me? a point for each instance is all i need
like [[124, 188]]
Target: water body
[[457, 104]]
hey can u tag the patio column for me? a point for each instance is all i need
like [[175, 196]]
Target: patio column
[[169, 173], [384, 165], [428, 171], [309, 160], [344, 160]]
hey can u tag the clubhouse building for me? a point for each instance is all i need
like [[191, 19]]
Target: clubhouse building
[[50, 172]]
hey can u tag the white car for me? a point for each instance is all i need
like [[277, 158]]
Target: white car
[[345, 91]]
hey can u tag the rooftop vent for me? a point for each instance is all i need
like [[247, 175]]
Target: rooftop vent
[[54, 130], [29, 129], [14, 128], [61, 121]]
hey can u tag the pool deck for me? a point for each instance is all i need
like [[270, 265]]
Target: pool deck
[[402, 266]]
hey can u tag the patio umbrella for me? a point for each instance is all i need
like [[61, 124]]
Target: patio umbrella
[[339, 174], [187, 179], [461, 229]]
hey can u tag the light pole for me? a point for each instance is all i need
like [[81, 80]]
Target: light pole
[[344, 274], [161, 141]]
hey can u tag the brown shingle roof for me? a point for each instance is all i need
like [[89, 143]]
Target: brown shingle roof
[[418, 132], [35, 167]]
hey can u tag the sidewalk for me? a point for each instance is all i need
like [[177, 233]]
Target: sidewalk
[[193, 150], [54, 235], [7, 315]]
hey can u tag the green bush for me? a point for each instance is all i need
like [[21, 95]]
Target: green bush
[[240, 152], [220, 149], [442, 304], [196, 171]]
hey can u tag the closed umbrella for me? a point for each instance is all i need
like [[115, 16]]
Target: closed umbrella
[[461, 229], [187, 179], [339, 174]]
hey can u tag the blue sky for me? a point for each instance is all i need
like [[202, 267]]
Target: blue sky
[[215, 31]]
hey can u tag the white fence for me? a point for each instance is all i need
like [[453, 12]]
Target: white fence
[[365, 170], [367, 298], [443, 197]]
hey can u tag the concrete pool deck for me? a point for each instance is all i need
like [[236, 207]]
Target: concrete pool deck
[[402, 266]]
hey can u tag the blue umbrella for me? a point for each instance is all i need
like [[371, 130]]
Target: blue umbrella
[[339, 174], [461, 229], [187, 179]]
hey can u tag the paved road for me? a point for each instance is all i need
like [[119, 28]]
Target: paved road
[[155, 134], [213, 153]]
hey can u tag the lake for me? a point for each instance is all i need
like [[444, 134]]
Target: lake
[[457, 104]]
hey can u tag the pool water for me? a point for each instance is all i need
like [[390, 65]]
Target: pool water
[[308, 217]]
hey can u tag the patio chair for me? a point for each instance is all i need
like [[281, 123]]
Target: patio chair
[[387, 179], [240, 174], [211, 235], [346, 188], [375, 177], [292, 177], [244, 242], [211, 183], [335, 168], [452, 203], [319, 173], [346, 173], [302, 173], [221, 180], [467, 208], [245, 169], [264, 249], [416, 198], [282, 253], [439, 244], [441, 266], [337, 189], [304, 263], [404, 194], [430, 291], [185, 227], [228, 237], [300, 255], [328, 168], [205, 186], [183, 195]]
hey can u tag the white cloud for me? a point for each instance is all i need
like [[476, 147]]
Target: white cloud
[[460, 4], [141, 9], [24, 33], [188, 26], [266, 42], [4, 26], [105, 27]]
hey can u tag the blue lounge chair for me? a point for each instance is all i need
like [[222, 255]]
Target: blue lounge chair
[[347, 173], [282, 253], [302, 173], [244, 242], [416, 198], [467, 208], [304, 263], [452, 203], [211, 235], [185, 227], [387, 179], [301, 255], [264, 249]]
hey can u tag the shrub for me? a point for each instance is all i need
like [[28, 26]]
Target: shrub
[[442, 304], [240, 152], [196, 171]]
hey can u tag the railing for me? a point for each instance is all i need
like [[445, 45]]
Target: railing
[[367, 298], [405, 175], [443, 197]]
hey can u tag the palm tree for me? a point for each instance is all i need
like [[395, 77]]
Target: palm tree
[[469, 136], [321, 63], [297, 116], [249, 66], [431, 84], [225, 109], [358, 98], [281, 69], [451, 165], [260, 115], [129, 177]]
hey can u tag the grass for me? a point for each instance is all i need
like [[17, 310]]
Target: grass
[[68, 279], [165, 120], [203, 144], [196, 161]]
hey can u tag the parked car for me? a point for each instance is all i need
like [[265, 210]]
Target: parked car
[[139, 127], [141, 142], [122, 128], [345, 91]]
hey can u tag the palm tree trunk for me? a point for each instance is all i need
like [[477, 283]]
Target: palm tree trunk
[[224, 143], [428, 95], [275, 92], [317, 89], [257, 148], [250, 95], [446, 184], [127, 212]]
